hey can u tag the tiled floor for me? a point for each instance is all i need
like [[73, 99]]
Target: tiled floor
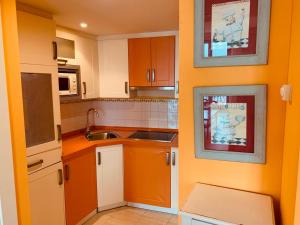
[[132, 216]]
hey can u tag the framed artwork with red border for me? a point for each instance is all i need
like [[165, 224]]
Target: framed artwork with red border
[[230, 123], [231, 32]]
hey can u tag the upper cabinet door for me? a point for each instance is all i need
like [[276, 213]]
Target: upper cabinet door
[[86, 56], [36, 36], [163, 61], [113, 68], [41, 108], [139, 52]]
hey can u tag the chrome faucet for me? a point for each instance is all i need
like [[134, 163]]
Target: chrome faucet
[[88, 126]]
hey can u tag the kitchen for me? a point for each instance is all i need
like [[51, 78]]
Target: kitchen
[[149, 112], [107, 108]]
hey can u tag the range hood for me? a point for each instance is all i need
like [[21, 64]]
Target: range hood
[[169, 88], [168, 92]]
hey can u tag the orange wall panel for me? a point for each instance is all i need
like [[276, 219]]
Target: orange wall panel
[[11, 54], [251, 177], [292, 133]]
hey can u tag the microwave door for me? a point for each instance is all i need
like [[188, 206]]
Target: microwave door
[[64, 85]]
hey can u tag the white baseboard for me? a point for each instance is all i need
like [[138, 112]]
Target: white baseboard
[[153, 208], [112, 206], [86, 218]]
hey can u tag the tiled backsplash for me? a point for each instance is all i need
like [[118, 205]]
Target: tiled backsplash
[[73, 115], [138, 114], [121, 113]]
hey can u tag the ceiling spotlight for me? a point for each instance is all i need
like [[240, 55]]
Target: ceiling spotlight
[[83, 25]]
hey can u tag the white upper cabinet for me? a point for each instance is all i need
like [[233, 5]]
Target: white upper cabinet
[[36, 37], [113, 68], [86, 56]]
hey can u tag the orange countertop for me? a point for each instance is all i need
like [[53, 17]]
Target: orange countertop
[[76, 144]]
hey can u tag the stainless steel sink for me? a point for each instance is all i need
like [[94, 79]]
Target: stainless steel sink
[[93, 136]]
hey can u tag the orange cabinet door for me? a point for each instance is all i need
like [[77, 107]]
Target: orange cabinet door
[[163, 61], [139, 59], [80, 187], [147, 175]]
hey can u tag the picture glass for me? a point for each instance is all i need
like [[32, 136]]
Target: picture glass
[[230, 27], [229, 123]]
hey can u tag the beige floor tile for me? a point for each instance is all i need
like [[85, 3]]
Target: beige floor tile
[[150, 221], [132, 216], [164, 217], [173, 220]]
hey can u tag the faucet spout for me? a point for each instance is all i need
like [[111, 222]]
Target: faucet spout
[[88, 124]]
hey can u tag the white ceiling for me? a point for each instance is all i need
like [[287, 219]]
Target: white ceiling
[[107, 17]]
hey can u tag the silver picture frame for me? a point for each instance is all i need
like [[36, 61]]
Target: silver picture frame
[[260, 93], [262, 40]]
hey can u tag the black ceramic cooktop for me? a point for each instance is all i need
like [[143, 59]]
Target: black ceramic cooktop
[[153, 135]]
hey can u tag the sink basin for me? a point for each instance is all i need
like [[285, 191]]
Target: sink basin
[[93, 136]]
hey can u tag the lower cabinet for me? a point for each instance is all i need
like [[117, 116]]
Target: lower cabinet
[[147, 174], [80, 187], [110, 176], [47, 196]]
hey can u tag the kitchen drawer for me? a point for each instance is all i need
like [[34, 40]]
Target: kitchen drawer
[[43, 160]]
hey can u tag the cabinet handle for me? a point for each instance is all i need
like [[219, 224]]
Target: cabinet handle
[[62, 62], [59, 135], [126, 87], [148, 75], [40, 162], [99, 158], [60, 177], [67, 172], [84, 87], [173, 159], [153, 75], [168, 158], [177, 87], [54, 45]]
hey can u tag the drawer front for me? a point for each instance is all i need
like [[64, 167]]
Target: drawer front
[[43, 160]]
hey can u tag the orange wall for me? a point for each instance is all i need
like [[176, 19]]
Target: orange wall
[[292, 133], [297, 206], [252, 177], [11, 53]]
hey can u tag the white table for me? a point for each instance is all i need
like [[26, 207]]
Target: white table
[[212, 205]]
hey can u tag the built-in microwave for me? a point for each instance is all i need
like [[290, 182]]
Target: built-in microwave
[[69, 81], [67, 84]]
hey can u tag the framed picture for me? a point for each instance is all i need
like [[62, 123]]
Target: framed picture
[[230, 123], [231, 32]]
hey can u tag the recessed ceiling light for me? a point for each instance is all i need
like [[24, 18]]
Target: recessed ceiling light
[[83, 25]]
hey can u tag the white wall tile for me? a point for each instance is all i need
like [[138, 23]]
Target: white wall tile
[[128, 114], [154, 106]]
